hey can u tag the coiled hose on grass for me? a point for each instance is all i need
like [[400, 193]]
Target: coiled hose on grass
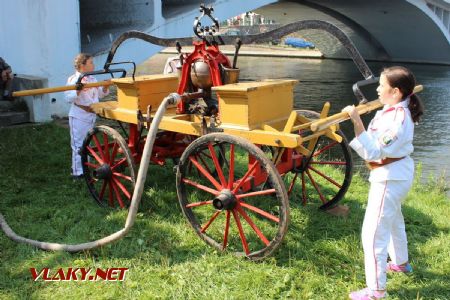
[[172, 99]]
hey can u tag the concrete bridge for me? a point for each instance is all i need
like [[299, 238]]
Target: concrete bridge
[[40, 38]]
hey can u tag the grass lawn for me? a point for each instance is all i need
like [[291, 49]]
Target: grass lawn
[[321, 256]]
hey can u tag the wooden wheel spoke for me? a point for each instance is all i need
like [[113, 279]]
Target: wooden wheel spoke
[[242, 180], [222, 154], [205, 173], [314, 183], [102, 191], [205, 154], [241, 232], [291, 186], [217, 165], [118, 163], [226, 232], [303, 189], [260, 212], [257, 193], [335, 163], [117, 193], [214, 216], [91, 165], [99, 147], [253, 226], [106, 144], [122, 188], [329, 146], [201, 203], [111, 194], [123, 176], [231, 168], [203, 162], [201, 187], [94, 154], [326, 177], [114, 150]]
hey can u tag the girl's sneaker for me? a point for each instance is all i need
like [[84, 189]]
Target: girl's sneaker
[[367, 294], [406, 268]]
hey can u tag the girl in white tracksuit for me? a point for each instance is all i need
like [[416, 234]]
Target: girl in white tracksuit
[[386, 146], [81, 116]]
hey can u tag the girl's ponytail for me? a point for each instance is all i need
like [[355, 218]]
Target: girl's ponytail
[[415, 107], [403, 79]]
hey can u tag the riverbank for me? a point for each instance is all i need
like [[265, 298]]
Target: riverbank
[[259, 51]]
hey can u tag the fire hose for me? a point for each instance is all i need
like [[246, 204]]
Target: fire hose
[[171, 99]]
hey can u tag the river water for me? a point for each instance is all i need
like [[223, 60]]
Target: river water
[[332, 80]]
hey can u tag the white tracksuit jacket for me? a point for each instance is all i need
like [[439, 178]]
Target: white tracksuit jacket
[[81, 121], [389, 135]]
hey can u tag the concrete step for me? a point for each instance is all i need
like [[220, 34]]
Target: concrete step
[[6, 105], [8, 118]]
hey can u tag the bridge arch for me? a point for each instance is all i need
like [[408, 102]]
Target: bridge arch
[[397, 30]]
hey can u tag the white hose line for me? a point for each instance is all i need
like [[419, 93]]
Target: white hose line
[[172, 99]]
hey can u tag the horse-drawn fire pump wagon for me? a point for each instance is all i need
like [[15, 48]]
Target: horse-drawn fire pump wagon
[[240, 148]]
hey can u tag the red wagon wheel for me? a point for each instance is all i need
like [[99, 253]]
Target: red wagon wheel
[[326, 176], [232, 195], [108, 167]]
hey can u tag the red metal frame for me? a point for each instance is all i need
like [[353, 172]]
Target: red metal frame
[[167, 145], [210, 55]]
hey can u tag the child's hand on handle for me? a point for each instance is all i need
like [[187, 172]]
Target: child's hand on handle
[[356, 119], [352, 112], [106, 87]]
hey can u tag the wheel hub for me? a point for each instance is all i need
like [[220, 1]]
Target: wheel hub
[[103, 172], [225, 200]]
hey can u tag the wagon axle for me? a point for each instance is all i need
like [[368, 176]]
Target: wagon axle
[[225, 200], [102, 172]]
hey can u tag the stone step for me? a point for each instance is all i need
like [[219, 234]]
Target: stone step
[[6, 105], [8, 118]]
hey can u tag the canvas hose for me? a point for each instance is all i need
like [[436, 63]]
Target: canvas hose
[[171, 99]]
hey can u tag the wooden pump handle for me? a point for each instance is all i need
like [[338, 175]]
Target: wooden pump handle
[[342, 116], [59, 89]]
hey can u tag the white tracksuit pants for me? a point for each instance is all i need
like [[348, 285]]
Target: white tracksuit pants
[[78, 131], [383, 230]]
